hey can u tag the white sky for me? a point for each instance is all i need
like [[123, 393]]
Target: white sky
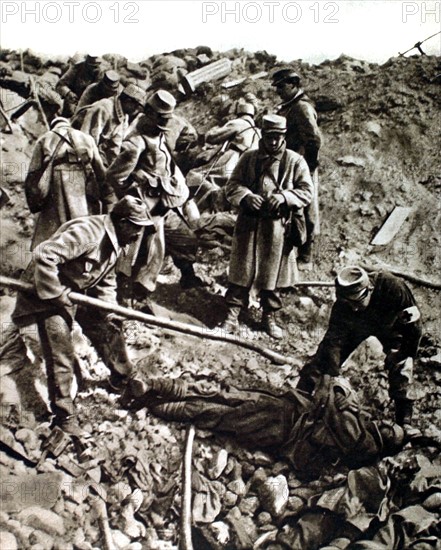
[[374, 30]]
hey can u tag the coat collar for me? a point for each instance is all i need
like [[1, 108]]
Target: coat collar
[[111, 231], [294, 99], [264, 155]]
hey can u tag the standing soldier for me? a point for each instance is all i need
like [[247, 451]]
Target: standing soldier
[[145, 168], [76, 79], [379, 305], [80, 256], [108, 86], [303, 136], [108, 119], [266, 185], [65, 179]]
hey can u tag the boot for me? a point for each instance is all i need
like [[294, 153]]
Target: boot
[[189, 279], [69, 425], [231, 323], [304, 255], [270, 325]]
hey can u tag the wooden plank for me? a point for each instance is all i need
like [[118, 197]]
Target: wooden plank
[[391, 226]]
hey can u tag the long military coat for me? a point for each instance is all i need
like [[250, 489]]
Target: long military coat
[[106, 123], [71, 191], [259, 256], [145, 168]]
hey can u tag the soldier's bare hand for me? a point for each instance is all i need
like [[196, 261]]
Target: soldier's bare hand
[[254, 202], [275, 201]]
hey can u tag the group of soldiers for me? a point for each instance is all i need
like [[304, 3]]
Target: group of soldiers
[[110, 182]]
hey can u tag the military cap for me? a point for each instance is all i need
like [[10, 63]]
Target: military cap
[[93, 59], [282, 75], [134, 92], [274, 124], [163, 103], [132, 209], [111, 79], [351, 283], [245, 108]]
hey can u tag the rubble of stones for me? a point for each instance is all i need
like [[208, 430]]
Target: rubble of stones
[[380, 150]]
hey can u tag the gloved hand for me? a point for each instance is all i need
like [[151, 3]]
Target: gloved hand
[[253, 202], [275, 201], [63, 300]]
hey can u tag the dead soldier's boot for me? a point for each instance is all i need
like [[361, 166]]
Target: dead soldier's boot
[[231, 323], [270, 325], [403, 417]]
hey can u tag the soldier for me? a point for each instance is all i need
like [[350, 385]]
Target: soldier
[[76, 79], [303, 136], [375, 304], [236, 136], [108, 86], [108, 119], [310, 432], [80, 256], [266, 185], [181, 137], [65, 179], [145, 168]]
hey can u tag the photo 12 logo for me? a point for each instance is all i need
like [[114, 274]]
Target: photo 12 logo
[[54, 12], [270, 12], [425, 12]]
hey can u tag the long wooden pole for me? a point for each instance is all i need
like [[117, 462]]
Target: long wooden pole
[[186, 542], [185, 328]]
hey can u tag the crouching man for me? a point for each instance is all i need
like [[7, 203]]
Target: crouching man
[[375, 304], [80, 256]]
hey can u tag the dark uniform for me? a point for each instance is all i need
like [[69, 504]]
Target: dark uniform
[[309, 432], [391, 316], [76, 79]]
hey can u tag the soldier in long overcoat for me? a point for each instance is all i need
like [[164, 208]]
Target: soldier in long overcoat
[[108, 119], [81, 257], [303, 136], [65, 179], [266, 185], [145, 168]]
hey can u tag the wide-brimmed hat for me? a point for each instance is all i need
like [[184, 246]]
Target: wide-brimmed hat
[[352, 283], [273, 124], [132, 209]]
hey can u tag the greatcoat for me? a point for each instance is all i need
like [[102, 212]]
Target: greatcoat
[[259, 256], [106, 122], [145, 168], [76, 186]]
